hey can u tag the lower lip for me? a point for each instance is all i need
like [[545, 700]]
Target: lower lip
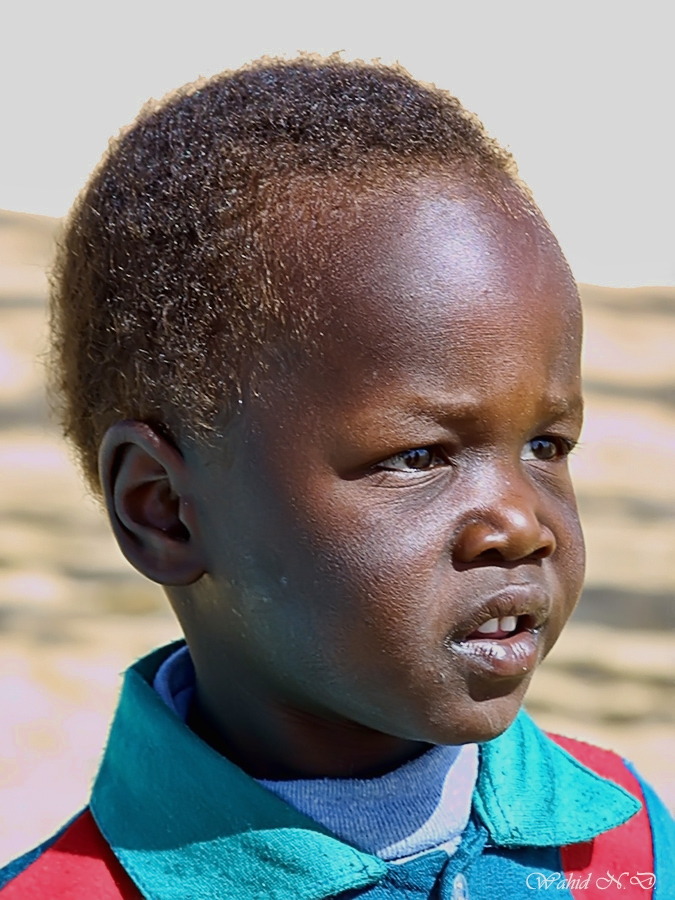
[[511, 657]]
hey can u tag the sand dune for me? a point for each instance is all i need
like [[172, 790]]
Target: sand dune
[[73, 614]]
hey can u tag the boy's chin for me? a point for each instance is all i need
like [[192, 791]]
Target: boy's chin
[[479, 721]]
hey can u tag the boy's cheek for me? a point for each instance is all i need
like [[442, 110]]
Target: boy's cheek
[[322, 542], [571, 563]]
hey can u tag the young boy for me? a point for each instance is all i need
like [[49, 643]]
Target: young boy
[[319, 353]]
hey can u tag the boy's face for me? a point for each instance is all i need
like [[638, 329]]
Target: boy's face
[[406, 485]]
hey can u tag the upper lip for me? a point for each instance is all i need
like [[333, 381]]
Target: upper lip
[[531, 600]]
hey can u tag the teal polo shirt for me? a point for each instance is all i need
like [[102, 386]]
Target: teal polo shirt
[[185, 822]]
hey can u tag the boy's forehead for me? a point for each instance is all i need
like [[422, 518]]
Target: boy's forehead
[[427, 298], [414, 251]]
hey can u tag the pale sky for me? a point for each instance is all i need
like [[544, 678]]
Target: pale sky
[[582, 92]]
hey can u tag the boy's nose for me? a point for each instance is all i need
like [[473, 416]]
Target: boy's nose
[[506, 529]]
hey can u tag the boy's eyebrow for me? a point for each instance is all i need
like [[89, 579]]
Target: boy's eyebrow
[[414, 417], [440, 409], [566, 407]]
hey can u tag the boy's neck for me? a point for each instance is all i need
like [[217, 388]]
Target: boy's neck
[[282, 746]]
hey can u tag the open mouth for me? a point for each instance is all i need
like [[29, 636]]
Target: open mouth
[[506, 638], [502, 628], [502, 647]]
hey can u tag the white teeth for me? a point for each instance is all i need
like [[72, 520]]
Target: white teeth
[[492, 626]]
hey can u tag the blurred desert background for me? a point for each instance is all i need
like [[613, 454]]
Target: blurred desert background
[[73, 614]]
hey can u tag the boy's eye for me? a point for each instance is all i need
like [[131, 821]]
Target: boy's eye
[[547, 448], [418, 459]]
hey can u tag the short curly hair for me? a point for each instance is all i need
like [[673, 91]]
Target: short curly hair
[[164, 290]]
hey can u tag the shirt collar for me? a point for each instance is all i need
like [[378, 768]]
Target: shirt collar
[[184, 821]]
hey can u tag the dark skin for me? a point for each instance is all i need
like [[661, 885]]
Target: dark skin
[[369, 509]]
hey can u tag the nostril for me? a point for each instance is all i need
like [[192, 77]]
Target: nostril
[[492, 554], [541, 552]]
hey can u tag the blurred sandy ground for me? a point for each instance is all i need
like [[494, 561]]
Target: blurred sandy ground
[[73, 614]]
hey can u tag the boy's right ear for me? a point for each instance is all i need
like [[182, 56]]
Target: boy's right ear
[[146, 482]]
